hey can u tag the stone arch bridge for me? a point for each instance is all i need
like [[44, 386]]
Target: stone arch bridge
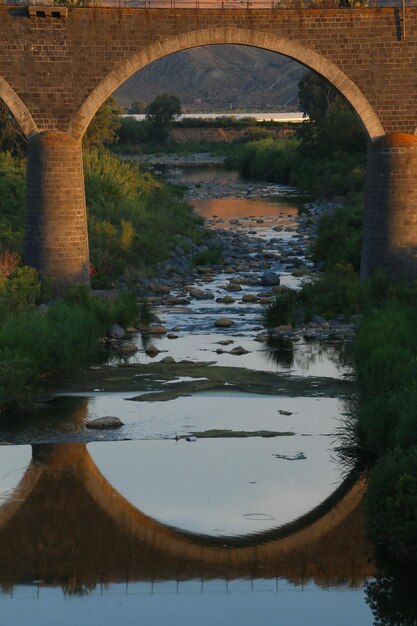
[[59, 64]]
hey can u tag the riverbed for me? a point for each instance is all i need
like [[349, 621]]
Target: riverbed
[[222, 496]]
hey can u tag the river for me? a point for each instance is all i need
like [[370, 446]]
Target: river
[[221, 499]]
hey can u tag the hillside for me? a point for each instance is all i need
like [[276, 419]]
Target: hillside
[[219, 77]]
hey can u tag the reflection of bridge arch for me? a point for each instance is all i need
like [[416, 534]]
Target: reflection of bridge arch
[[266, 41], [281, 552]]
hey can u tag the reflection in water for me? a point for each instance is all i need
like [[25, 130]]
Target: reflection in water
[[212, 174], [238, 208], [302, 357], [67, 526], [392, 597], [280, 351]]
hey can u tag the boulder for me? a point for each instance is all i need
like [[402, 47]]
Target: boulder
[[102, 423], [152, 351], [223, 322], [238, 351], [269, 279], [226, 300], [158, 288], [127, 348], [318, 319], [158, 329], [249, 297], [117, 332], [168, 359], [233, 287]]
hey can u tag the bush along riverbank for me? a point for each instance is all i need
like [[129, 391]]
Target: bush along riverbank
[[135, 221], [38, 341], [380, 435]]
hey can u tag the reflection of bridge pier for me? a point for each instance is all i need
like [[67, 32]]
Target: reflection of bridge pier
[[65, 521]]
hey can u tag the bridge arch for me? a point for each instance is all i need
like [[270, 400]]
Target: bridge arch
[[17, 108], [256, 39]]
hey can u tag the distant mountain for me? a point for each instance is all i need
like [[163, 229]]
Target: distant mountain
[[218, 77]]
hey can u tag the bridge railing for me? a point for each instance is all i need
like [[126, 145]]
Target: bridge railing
[[221, 4], [247, 4]]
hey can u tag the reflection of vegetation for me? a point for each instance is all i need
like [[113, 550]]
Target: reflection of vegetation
[[283, 352], [392, 503], [74, 587], [392, 598], [280, 351], [383, 431]]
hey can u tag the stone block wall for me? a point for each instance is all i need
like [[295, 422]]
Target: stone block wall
[[390, 227], [56, 240], [50, 66]]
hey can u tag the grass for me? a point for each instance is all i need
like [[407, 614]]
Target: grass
[[282, 309], [36, 347]]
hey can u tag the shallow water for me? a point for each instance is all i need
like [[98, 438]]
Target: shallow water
[[242, 602], [104, 530]]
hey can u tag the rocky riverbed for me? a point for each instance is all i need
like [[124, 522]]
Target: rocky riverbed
[[260, 236]]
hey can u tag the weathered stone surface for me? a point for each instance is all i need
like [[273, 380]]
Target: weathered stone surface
[[152, 351], [223, 322], [56, 241], [390, 224], [116, 332], [158, 329], [238, 351], [269, 279], [103, 423], [126, 349], [249, 297], [53, 85], [226, 300]]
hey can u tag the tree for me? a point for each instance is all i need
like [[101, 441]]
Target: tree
[[138, 107], [12, 138], [104, 126], [161, 113], [333, 125]]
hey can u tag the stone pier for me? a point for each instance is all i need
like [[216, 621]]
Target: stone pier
[[56, 241], [390, 222]]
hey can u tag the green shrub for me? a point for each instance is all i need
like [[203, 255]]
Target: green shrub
[[281, 310], [133, 218], [36, 347], [385, 349], [339, 238], [214, 256], [392, 503], [268, 159], [333, 293]]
